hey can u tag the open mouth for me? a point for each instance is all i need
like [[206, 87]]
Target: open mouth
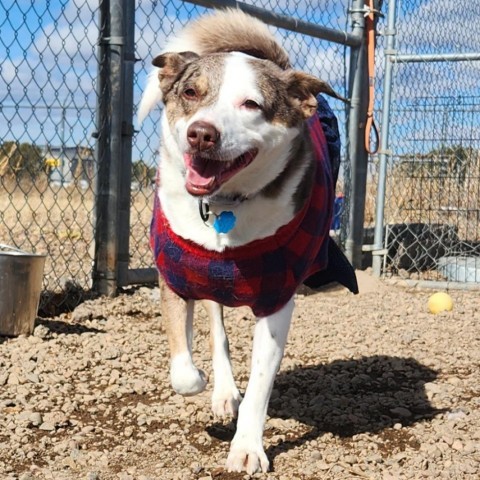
[[205, 175]]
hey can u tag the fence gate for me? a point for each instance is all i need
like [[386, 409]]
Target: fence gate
[[429, 185], [322, 43], [76, 169]]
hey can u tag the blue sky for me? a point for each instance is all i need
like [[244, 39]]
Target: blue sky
[[49, 67]]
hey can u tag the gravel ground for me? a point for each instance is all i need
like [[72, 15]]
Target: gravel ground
[[371, 386]]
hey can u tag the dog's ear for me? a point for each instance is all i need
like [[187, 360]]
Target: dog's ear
[[303, 88], [171, 65]]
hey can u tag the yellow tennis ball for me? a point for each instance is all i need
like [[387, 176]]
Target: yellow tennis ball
[[440, 302]]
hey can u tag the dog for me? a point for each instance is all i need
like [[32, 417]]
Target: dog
[[243, 207]]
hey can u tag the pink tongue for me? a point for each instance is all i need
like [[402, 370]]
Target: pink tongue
[[195, 178], [202, 171]]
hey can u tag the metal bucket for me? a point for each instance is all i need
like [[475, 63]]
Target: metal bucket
[[21, 276]]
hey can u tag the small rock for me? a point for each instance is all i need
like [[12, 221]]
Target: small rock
[[111, 353], [82, 313], [114, 376], [57, 418], [433, 388], [14, 379], [350, 459], [47, 426], [323, 465], [196, 468], [456, 415], [3, 378], [142, 419], [41, 331], [139, 387], [454, 381], [469, 447], [125, 476], [316, 455], [468, 468], [457, 445], [32, 377], [69, 462], [448, 439], [26, 476], [36, 418]]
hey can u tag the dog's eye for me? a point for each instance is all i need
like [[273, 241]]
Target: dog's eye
[[190, 94], [251, 105]]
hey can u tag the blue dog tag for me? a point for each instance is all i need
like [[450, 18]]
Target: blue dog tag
[[224, 222]]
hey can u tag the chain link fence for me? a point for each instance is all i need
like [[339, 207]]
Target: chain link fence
[[47, 116], [432, 199], [48, 112], [48, 103], [156, 21]]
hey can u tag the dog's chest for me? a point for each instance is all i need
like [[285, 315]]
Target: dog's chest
[[263, 274]]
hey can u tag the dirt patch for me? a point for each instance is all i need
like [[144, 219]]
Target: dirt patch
[[371, 386]]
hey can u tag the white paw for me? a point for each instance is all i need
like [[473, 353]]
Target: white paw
[[248, 457], [187, 379], [225, 402]]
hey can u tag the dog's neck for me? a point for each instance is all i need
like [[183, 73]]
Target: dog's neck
[[224, 218], [224, 201]]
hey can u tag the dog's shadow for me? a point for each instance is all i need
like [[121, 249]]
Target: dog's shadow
[[345, 398]]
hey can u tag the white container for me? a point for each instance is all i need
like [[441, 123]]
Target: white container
[[460, 269]]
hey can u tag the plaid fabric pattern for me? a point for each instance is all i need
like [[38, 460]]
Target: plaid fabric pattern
[[265, 273]]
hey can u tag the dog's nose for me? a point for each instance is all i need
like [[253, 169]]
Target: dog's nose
[[202, 135]]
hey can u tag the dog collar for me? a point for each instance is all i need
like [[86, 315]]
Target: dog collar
[[224, 221]]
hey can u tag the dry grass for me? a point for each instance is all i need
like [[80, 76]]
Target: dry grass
[[59, 222], [417, 196]]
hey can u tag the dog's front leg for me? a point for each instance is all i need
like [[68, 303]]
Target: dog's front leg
[[177, 316], [225, 397], [246, 451]]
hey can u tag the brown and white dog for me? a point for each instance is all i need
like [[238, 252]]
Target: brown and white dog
[[234, 138]]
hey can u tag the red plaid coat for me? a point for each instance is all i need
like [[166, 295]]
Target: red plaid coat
[[263, 274]]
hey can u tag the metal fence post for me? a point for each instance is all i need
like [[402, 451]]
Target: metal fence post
[[129, 60], [357, 156], [383, 150], [114, 120]]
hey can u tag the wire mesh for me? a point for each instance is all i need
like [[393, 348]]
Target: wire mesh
[[157, 21], [48, 82], [47, 112], [433, 192]]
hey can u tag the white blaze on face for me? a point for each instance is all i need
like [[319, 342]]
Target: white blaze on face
[[243, 128], [239, 81]]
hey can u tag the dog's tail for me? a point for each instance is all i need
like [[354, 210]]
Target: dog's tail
[[234, 31], [222, 31]]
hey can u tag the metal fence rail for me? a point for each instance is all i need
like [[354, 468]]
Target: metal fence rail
[[429, 172]]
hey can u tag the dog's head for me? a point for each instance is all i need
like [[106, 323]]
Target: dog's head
[[233, 117]]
